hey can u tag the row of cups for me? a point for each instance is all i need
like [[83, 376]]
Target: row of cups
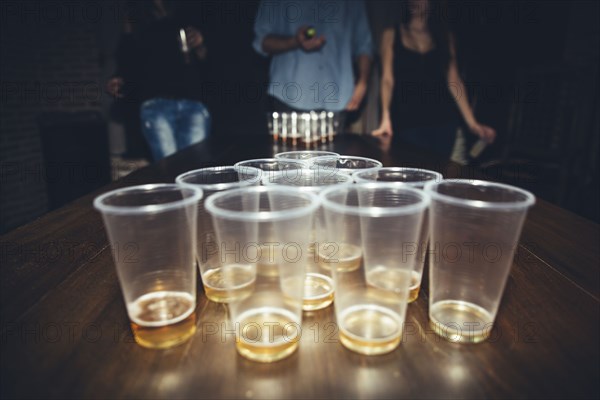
[[277, 237], [308, 127]]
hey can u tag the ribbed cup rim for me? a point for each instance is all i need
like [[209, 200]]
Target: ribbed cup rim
[[437, 177], [298, 212], [268, 160], [314, 153], [376, 211], [376, 164], [528, 201], [219, 186], [99, 204]]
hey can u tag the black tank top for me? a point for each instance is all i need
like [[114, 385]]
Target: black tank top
[[421, 96]]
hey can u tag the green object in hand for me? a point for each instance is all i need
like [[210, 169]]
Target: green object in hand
[[310, 32]]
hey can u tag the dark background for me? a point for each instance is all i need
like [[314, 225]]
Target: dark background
[[531, 68]]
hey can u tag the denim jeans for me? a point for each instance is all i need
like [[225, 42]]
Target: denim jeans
[[170, 125]]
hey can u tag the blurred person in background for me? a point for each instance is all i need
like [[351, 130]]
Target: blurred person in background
[[125, 109], [313, 45], [160, 66], [422, 94]]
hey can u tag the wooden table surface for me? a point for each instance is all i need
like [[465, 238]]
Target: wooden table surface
[[65, 332]]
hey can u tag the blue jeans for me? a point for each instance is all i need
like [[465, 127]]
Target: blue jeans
[[170, 125]]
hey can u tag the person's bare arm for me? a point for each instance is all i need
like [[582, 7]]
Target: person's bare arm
[[276, 44], [387, 82], [459, 93], [360, 89]]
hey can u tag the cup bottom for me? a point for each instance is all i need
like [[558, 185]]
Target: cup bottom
[[151, 329], [318, 292], [460, 321], [415, 286], [267, 334], [344, 257], [370, 329], [223, 285]]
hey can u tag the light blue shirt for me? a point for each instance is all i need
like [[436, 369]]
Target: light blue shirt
[[322, 79]]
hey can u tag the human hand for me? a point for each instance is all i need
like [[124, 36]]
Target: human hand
[[193, 37], [483, 131], [359, 93], [385, 129], [308, 45], [114, 86]]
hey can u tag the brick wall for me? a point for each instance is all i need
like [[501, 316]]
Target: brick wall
[[51, 61]]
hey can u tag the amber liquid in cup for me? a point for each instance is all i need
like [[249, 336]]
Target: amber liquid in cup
[[415, 286], [223, 285], [318, 291], [267, 334], [369, 329], [343, 256], [443, 317], [163, 319], [384, 327]]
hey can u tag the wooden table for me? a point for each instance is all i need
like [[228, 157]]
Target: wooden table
[[65, 332]]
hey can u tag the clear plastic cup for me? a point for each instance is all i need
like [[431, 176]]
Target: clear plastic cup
[[270, 166], [152, 232], [319, 290], [267, 318], [475, 228], [416, 178], [371, 297], [213, 180], [351, 164], [304, 155], [326, 160]]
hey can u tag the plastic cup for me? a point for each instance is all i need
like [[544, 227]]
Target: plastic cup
[[351, 164], [475, 228], [270, 166], [267, 318], [371, 297], [326, 160], [304, 155], [213, 180], [416, 178], [152, 232], [319, 289]]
